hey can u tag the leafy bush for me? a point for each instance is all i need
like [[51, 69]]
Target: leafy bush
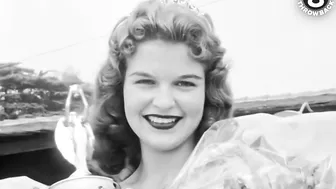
[[24, 108], [11, 98], [24, 92], [31, 98]]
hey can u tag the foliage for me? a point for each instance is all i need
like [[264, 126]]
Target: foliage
[[25, 92]]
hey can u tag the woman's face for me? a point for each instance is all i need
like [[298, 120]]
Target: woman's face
[[164, 94]]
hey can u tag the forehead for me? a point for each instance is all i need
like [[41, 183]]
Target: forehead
[[163, 56]]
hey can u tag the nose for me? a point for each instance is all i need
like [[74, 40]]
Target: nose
[[164, 99]]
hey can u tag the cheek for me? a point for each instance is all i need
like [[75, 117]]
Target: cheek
[[134, 100], [129, 100], [131, 107], [193, 103]]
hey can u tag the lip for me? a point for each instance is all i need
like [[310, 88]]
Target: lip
[[163, 116], [162, 126]]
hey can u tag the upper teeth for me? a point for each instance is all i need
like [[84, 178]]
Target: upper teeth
[[161, 120]]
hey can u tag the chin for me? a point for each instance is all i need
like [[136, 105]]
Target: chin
[[169, 146], [165, 143]]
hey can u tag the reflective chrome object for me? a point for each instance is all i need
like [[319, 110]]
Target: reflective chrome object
[[75, 91], [86, 182], [74, 139]]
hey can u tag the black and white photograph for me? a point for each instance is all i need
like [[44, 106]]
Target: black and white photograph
[[167, 94]]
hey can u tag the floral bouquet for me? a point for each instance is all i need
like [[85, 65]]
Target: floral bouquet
[[222, 160]]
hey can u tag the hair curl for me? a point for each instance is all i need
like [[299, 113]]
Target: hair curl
[[115, 141]]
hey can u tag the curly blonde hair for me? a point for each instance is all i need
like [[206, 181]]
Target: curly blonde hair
[[115, 141]]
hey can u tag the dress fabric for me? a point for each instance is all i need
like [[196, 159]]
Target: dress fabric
[[263, 151]]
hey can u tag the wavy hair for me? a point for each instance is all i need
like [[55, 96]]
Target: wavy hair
[[115, 141]]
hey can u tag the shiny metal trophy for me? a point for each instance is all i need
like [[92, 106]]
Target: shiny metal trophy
[[74, 139]]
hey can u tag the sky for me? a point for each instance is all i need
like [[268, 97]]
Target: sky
[[274, 47]]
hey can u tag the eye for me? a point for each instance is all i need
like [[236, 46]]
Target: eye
[[185, 84], [145, 81]]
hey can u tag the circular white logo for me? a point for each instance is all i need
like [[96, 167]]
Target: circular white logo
[[315, 7]]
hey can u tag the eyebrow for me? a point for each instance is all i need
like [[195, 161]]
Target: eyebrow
[[190, 76], [187, 76], [143, 74]]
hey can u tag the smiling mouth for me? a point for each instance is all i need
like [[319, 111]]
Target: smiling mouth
[[162, 122]]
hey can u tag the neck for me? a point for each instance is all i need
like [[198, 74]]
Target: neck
[[158, 168]]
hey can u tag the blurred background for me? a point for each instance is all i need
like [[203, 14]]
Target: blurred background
[[281, 57], [275, 48]]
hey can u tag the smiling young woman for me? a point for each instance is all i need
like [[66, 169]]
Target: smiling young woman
[[159, 116], [162, 114], [163, 84]]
